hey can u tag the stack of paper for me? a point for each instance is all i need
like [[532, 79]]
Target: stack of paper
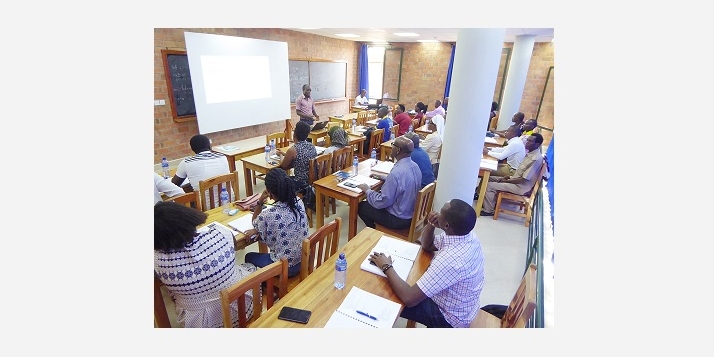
[[362, 309], [490, 140], [320, 149], [242, 224], [384, 167], [403, 254], [489, 164]]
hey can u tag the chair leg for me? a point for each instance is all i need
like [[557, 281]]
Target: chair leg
[[411, 324], [498, 206], [334, 206], [309, 217]]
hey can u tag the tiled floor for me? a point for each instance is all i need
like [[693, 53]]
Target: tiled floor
[[503, 242]]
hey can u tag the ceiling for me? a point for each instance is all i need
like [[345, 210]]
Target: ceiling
[[440, 34]]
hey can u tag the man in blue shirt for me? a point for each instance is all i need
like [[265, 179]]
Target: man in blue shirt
[[421, 158], [393, 205], [384, 122]]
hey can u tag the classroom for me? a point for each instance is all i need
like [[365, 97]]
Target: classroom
[[421, 76]]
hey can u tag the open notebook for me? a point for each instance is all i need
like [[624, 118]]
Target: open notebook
[[403, 254], [383, 167], [217, 226], [352, 182], [243, 223], [362, 309]]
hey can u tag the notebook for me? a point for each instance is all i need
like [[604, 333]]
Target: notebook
[[383, 312], [242, 224], [319, 125], [403, 254], [384, 167], [353, 181], [217, 226]]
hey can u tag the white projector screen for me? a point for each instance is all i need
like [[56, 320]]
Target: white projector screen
[[237, 82]]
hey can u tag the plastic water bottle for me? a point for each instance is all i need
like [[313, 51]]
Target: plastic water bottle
[[354, 126], [267, 153], [340, 271], [428, 121], [225, 200], [392, 136], [165, 167], [411, 128], [373, 157], [272, 147], [355, 165]]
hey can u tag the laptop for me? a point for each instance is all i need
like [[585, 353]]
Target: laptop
[[319, 125]]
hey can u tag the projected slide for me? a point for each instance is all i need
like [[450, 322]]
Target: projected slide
[[237, 82]]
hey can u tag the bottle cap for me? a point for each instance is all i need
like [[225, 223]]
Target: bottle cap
[[342, 255]]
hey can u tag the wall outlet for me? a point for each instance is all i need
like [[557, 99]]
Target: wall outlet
[[157, 102], [162, 102]]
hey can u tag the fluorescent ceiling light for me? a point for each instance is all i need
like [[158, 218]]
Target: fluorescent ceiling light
[[346, 35], [406, 34], [427, 41]]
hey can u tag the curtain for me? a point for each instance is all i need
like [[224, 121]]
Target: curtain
[[448, 74], [363, 64]]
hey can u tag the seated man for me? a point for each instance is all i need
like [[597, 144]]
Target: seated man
[[432, 145], [421, 158], [362, 98], [513, 153], [205, 164], [522, 181], [527, 129], [393, 205], [448, 293], [162, 185], [438, 110], [385, 122], [402, 118], [517, 120]]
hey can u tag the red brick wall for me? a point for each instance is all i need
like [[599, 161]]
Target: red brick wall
[[424, 70]]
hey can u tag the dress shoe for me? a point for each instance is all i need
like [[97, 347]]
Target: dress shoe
[[483, 213]]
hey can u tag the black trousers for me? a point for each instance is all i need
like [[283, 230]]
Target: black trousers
[[371, 215]]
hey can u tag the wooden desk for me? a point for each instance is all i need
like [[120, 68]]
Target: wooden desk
[[327, 186], [385, 150], [237, 153], [499, 141], [217, 215], [252, 164], [314, 135], [318, 294], [345, 119], [357, 109], [423, 130]]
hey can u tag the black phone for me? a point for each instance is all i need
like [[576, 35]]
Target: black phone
[[295, 315], [350, 184]]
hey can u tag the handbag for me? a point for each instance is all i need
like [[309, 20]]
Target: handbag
[[248, 203]]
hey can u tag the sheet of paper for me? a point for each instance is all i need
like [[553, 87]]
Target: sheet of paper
[[490, 140], [385, 311], [354, 189], [365, 179], [218, 226], [489, 164], [383, 167], [242, 224], [400, 265], [403, 254], [320, 149]]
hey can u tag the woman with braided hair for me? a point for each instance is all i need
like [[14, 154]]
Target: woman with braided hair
[[282, 226]]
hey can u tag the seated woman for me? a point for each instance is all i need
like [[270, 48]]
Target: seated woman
[[196, 265], [338, 137], [282, 226], [299, 155], [420, 109]]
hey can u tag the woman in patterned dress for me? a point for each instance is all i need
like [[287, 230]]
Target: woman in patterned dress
[[282, 226], [299, 155], [195, 265]]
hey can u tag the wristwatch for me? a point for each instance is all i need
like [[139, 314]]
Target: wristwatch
[[386, 267]]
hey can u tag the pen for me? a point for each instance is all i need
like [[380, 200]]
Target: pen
[[366, 314]]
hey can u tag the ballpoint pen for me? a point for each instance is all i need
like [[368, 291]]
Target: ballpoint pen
[[366, 314]]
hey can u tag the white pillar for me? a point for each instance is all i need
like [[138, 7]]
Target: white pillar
[[515, 80], [476, 62]]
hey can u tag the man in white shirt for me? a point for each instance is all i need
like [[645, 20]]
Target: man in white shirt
[[438, 110], [164, 185], [514, 153], [362, 98], [205, 164]]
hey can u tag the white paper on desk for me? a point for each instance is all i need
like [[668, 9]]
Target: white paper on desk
[[403, 254], [350, 180], [242, 224], [383, 167], [219, 227], [365, 179], [320, 149], [229, 147], [490, 140], [489, 164], [346, 316]]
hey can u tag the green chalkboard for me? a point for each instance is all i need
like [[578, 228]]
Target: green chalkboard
[[178, 81], [326, 78]]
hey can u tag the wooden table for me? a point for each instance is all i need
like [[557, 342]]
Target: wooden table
[[237, 153], [357, 109], [327, 187], [252, 164], [345, 119], [499, 142], [423, 130], [318, 294], [314, 135], [385, 149]]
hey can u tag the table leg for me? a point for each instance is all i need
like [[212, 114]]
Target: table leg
[[382, 153], [353, 219], [231, 162], [248, 182], [482, 191], [319, 208]]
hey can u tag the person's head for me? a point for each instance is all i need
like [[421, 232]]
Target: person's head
[[382, 112], [400, 108], [437, 103], [414, 137], [494, 106], [402, 147], [363, 93], [200, 143], [511, 132], [338, 136], [302, 130], [457, 217], [420, 107], [518, 117], [306, 90], [175, 225], [281, 188], [529, 125], [533, 142]]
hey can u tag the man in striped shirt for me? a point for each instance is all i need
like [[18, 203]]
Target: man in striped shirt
[[205, 164], [447, 295]]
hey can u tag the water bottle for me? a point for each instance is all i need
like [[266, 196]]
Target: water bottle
[[165, 167], [355, 165], [354, 126], [428, 121], [392, 136], [267, 153], [373, 157], [340, 271], [272, 147], [225, 200], [411, 128]]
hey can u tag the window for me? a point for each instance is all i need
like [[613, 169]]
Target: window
[[375, 68]]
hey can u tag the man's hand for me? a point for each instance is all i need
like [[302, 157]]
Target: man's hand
[[432, 219], [264, 195], [251, 233], [380, 259], [485, 151], [363, 186]]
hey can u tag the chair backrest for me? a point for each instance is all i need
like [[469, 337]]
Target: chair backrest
[[362, 117], [492, 123], [320, 166], [351, 103], [424, 201], [281, 141], [277, 271], [375, 140], [214, 185], [523, 304], [342, 158], [534, 190], [319, 247], [188, 199], [336, 123], [371, 114], [395, 129]]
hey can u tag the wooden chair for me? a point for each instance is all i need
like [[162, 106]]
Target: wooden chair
[[350, 104], [320, 166], [188, 199], [281, 141], [374, 141], [316, 249], [519, 311], [161, 317], [525, 203], [214, 185], [493, 123], [341, 160], [371, 114], [424, 201], [277, 270], [362, 117], [395, 130]]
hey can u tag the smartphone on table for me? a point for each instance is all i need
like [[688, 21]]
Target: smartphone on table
[[295, 315]]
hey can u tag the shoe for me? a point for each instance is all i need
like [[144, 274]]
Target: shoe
[[476, 196], [483, 213]]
